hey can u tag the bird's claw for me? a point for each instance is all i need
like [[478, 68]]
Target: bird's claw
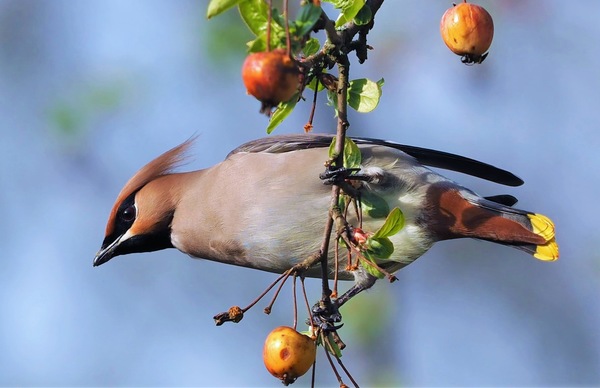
[[325, 315], [333, 176]]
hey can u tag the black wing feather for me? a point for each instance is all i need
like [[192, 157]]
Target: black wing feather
[[452, 162]]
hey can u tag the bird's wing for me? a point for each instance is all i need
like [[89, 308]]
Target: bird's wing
[[428, 157], [284, 143]]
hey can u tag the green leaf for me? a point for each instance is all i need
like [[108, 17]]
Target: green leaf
[[331, 152], [374, 271], [364, 94], [330, 346], [311, 47], [371, 268], [363, 16], [309, 15], [313, 83], [308, 332], [392, 225], [380, 247], [332, 100], [352, 155], [255, 14], [348, 10], [342, 201], [257, 45], [334, 349], [216, 7], [260, 43], [374, 205], [283, 110]]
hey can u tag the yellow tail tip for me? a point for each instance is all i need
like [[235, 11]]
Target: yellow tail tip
[[547, 252], [542, 226]]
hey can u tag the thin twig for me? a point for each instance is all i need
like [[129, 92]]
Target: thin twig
[[269, 307], [309, 126], [288, 40], [269, 21], [313, 374], [295, 303], [334, 293], [326, 344], [255, 301], [310, 317], [326, 292], [339, 360], [236, 314]]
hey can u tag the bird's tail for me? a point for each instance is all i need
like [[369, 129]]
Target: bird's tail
[[543, 227], [487, 220], [530, 232]]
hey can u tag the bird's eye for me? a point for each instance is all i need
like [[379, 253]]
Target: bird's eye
[[128, 214]]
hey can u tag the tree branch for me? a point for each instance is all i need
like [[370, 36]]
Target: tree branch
[[339, 40], [338, 47], [352, 29]]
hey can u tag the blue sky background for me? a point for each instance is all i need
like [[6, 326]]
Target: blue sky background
[[92, 90]]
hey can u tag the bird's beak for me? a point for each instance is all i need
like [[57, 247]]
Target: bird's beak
[[106, 253]]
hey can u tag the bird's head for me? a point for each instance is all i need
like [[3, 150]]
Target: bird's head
[[141, 216]]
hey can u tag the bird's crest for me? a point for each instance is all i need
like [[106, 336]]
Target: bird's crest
[[162, 165]]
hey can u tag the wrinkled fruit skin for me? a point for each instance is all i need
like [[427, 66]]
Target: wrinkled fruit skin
[[468, 30], [288, 354], [272, 77]]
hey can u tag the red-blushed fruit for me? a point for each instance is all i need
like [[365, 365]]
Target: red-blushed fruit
[[468, 30], [272, 77], [288, 354]]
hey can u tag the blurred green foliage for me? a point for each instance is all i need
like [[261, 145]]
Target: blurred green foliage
[[72, 116], [225, 40]]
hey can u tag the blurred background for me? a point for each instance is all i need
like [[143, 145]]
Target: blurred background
[[92, 90]]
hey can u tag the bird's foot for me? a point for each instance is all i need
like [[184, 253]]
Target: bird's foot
[[333, 176], [325, 315]]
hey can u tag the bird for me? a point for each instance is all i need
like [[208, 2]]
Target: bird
[[265, 206]]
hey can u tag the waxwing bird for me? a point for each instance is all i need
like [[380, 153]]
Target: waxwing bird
[[264, 206]]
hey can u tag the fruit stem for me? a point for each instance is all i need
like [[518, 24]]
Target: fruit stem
[[308, 127], [339, 360], [295, 303], [310, 316], [269, 20], [334, 293], [288, 40], [326, 347], [269, 307]]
